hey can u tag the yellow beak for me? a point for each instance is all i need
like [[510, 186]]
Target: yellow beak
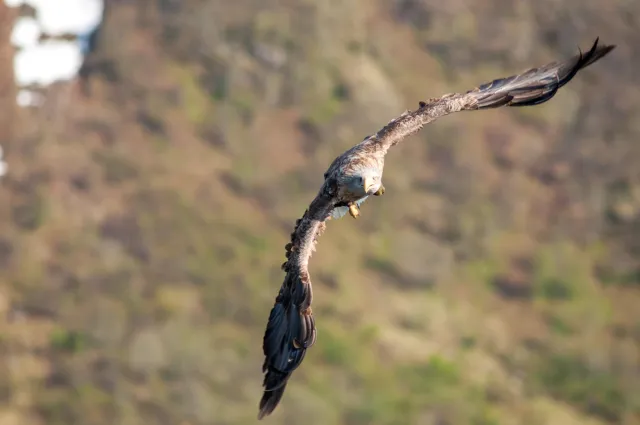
[[368, 182]]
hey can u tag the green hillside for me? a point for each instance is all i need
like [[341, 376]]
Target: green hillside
[[148, 204]]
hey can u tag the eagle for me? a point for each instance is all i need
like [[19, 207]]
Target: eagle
[[357, 174]]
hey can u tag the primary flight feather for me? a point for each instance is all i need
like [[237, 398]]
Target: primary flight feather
[[357, 174]]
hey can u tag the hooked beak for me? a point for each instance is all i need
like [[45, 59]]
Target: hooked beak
[[368, 183]]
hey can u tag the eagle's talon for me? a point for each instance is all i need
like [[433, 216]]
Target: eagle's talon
[[354, 211], [379, 191]]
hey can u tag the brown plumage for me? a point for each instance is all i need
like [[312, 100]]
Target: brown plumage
[[355, 175]]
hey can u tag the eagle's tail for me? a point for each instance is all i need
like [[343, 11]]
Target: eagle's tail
[[536, 85]]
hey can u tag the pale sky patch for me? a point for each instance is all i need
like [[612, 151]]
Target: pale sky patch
[[47, 62], [26, 32], [42, 63], [57, 17], [3, 165]]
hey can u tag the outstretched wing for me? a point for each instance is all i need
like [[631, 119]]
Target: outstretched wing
[[532, 87], [291, 327]]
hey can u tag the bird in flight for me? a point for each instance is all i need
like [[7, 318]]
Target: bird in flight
[[357, 174]]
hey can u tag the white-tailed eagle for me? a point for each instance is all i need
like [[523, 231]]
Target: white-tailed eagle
[[355, 175]]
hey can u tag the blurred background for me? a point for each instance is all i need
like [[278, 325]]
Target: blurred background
[[156, 154]]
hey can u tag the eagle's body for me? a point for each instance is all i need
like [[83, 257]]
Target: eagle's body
[[357, 174]]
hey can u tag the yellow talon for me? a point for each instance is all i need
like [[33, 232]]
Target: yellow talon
[[380, 191], [354, 211]]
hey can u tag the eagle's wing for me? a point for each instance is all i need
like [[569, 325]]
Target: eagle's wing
[[291, 327], [532, 87]]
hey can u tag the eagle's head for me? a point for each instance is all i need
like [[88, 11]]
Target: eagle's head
[[365, 182]]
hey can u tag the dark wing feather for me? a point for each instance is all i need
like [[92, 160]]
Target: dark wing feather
[[536, 85], [291, 327], [532, 87]]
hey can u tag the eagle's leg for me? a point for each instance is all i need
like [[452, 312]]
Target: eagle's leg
[[380, 191], [354, 210]]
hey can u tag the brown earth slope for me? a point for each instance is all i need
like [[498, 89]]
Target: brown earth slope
[[148, 204]]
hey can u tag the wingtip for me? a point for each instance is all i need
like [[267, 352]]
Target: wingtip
[[595, 53], [263, 414], [269, 402], [266, 407], [597, 41], [606, 48]]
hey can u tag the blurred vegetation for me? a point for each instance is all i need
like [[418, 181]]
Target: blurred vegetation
[[496, 282]]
